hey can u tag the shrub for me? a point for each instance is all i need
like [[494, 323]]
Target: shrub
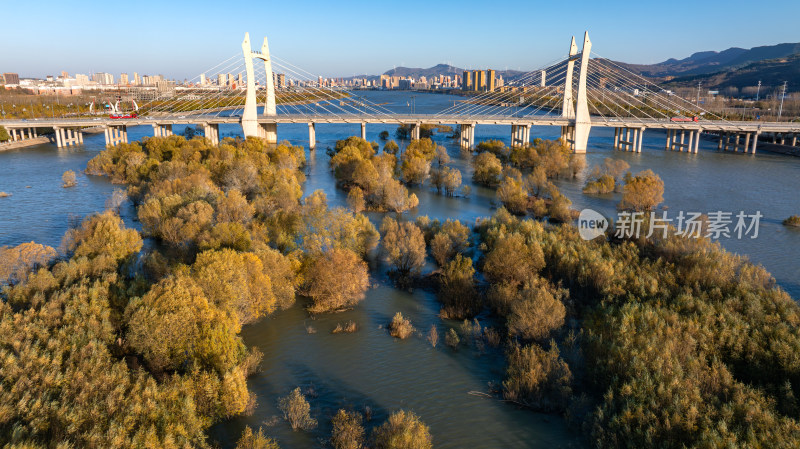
[[297, 411], [452, 239], [642, 192], [794, 220], [536, 311], [347, 433], [601, 185], [487, 169], [458, 294], [348, 328], [254, 440], [355, 199], [403, 430], [68, 179], [391, 147], [336, 279], [513, 260], [400, 327], [433, 336], [451, 338], [403, 246], [537, 378], [513, 196]]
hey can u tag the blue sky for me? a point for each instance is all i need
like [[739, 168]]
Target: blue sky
[[182, 39]]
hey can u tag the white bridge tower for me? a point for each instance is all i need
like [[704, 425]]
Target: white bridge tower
[[250, 124], [577, 133]]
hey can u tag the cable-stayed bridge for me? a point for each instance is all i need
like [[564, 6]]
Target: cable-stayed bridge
[[578, 92]]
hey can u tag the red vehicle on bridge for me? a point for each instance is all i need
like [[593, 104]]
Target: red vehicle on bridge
[[118, 116], [684, 119]]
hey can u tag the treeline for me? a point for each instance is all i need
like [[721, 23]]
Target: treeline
[[107, 346], [670, 343], [522, 176]]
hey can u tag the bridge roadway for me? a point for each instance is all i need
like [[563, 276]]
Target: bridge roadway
[[627, 134]]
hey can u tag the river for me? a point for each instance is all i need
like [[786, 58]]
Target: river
[[369, 368]]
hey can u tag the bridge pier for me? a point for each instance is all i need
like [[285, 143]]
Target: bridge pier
[[520, 135], [211, 131], [628, 139], [268, 131], [674, 141], [467, 139], [363, 130], [160, 130], [116, 134], [312, 136]]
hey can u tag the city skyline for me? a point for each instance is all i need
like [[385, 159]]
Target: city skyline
[[192, 39]]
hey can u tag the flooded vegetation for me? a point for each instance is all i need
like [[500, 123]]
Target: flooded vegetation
[[248, 295]]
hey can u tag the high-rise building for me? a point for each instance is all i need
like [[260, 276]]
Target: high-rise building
[[490, 80], [480, 80], [10, 78], [81, 79], [123, 78], [240, 79], [467, 83], [64, 74], [202, 79], [103, 78], [136, 79], [221, 78], [280, 80]]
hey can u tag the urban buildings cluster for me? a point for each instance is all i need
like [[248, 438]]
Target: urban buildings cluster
[[481, 81]]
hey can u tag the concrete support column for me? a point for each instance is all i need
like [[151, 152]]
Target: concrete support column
[[691, 141], [107, 133], [697, 141], [35, 132], [58, 137], [794, 139], [472, 136], [63, 133], [125, 133], [167, 131], [669, 139], [14, 134], [364, 131], [515, 140], [755, 142], [416, 130], [268, 131], [156, 130], [616, 138], [526, 135], [639, 144], [719, 146], [68, 137], [683, 139], [80, 136], [312, 136], [746, 142]]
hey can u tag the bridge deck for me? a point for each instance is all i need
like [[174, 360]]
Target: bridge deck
[[432, 119]]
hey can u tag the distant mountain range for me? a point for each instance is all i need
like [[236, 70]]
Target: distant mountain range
[[734, 67], [706, 62], [438, 69]]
